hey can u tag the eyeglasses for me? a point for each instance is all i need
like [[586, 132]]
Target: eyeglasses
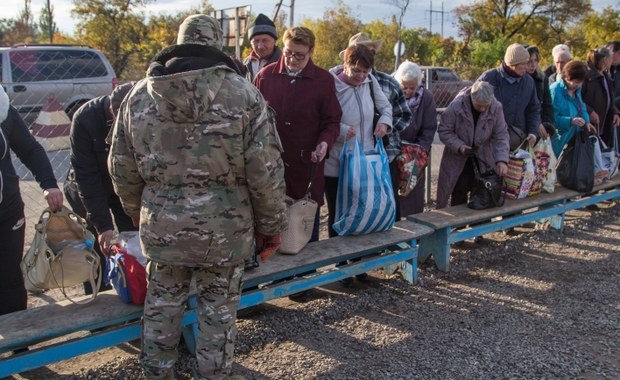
[[297, 56]]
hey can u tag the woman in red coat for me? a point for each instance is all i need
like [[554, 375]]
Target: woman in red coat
[[307, 113]]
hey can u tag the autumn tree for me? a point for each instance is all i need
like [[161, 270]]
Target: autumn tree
[[19, 30], [116, 27], [487, 20], [332, 34], [47, 25]]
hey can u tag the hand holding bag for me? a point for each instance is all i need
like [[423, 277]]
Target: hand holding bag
[[411, 163], [576, 167], [365, 201], [301, 214], [543, 149], [522, 175], [61, 254], [487, 191], [610, 155]]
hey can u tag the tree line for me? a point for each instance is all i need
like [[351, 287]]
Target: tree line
[[129, 39]]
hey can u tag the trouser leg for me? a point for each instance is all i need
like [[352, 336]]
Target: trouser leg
[[218, 290], [13, 295], [463, 185], [331, 193], [164, 307]]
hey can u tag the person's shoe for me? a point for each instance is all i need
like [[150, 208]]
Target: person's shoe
[[511, 232], [362, 276], [346, 282], [20, 350], [479, 240], [299, 296], [248, 312], [593, 207]]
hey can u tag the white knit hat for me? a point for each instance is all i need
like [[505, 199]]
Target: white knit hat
[[516, 54]]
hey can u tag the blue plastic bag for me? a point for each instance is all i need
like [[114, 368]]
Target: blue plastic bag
[[365, 201]]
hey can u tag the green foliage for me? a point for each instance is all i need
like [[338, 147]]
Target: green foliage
[[116, 27], [122, 31], [332, 34]]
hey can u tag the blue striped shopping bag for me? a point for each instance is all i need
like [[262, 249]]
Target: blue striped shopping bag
[[365, 201]]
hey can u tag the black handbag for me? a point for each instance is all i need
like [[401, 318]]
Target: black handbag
[[576, 164], [487, 191]]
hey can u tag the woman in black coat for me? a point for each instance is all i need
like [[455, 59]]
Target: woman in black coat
[[597, 92], [15, 136]]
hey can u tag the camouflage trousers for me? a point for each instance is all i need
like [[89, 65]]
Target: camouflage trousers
[[218, 294]]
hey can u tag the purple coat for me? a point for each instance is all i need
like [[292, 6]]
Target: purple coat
[[457, 128], [307, 113]]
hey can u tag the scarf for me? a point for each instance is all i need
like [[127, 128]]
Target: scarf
[[414, 101]]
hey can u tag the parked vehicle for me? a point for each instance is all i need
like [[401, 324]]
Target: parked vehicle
[[73, 74], [444, 83]]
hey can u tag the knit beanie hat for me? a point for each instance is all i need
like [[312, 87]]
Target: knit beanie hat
[[516, 54], [202, 30], [262, 25]]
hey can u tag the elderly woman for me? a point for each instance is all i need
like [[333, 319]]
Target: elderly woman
[[354, 84], [421, 129], [307, 114], [597, 93], [472, 126]]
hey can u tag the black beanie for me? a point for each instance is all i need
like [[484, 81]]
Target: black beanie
[[262, 25]]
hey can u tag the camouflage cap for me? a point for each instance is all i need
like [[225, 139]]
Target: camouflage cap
[[200, 29]]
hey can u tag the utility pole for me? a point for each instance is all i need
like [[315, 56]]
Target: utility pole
[[291, 16], [431, 12]]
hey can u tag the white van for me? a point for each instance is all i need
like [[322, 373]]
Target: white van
[[73, 74]]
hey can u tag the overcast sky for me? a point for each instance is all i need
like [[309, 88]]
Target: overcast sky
[[418, 14]]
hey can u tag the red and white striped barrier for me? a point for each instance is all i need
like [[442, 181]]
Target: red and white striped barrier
[[52, 127]]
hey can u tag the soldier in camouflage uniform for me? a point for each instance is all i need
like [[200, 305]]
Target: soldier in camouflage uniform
[[195, 159]]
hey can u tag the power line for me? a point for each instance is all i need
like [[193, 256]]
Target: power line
[[431, 12]]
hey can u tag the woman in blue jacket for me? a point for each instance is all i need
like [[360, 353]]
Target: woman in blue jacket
[[569, 110]]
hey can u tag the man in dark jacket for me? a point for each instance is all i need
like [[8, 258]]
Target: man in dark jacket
[[516, 92], [96, 202], [263, 36]]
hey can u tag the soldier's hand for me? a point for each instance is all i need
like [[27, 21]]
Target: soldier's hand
[[267, 245]]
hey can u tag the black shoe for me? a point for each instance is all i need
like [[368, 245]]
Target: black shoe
[[20, 350], [299, 296], [248, 312], [362, 276], [346, 282], [479, 240], [593, 207]]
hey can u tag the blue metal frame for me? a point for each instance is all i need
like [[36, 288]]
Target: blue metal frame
[[438, 243], [401, 258]]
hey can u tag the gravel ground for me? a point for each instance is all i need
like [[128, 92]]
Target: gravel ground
[[540, 305]]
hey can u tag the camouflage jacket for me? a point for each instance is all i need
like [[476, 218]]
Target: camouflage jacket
[[196, 154]]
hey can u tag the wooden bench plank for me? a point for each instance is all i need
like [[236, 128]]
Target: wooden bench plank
[[462, 215], [454, 224], [62, 318], [333, 250]]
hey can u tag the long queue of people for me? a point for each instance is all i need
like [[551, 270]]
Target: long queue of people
[[201, 153]]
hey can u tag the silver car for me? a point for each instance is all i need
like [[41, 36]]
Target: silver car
[[72, 74]]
